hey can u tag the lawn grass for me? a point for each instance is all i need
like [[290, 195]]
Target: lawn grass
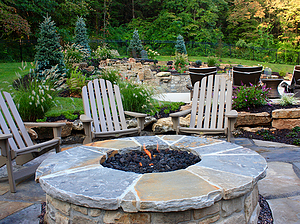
[[8, 74]]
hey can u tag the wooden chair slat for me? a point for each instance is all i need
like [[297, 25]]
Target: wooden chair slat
[[100, 106], [5, 130], [106, 105], [18, 119], [120, 107], [216, 88], [113, 105], [194, 104], [202, 99], [11, 123], [93, 106], [220, 122], [208, 102], [85, 99]]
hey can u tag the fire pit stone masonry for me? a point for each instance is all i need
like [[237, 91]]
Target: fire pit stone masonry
[[221, 188]]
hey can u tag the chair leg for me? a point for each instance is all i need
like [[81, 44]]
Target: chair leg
[[11, 179]]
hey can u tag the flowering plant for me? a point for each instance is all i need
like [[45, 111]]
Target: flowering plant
[[252, 96], [152, 54]]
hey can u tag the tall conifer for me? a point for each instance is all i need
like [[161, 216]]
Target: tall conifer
[[81, 36], [180, 45], [48, 49]]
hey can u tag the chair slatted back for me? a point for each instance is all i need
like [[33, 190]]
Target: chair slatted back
[[196, 74], [246, 75], [102, 102], [296, 76], [11, 123], [214, 97]]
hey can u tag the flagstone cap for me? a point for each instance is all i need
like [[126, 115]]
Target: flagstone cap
[[225, 171]]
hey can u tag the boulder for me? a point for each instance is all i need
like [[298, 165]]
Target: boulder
[[163, 74], [33, 135], [132, 123], [286, 113], [164, 125], [47, 133], [285, 123], [253, 119], [77, 125]]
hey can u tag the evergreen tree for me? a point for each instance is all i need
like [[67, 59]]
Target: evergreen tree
[[180, 45], [135, 44], [48, 49], [81, 37]]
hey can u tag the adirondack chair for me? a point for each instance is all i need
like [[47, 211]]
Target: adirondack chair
[[246, 75], [211, 108], [196, 74], [294, 87], [16, 144], [103, 112]]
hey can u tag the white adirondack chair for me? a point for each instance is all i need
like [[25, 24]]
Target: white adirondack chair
[[104, 115], [16, 144], [211, 108]]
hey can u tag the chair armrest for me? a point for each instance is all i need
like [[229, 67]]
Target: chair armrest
[[232, 114], [5, 136], [190, 87], [135, 114], [4, 148], [85, 119], [180, 113], [46, 125]]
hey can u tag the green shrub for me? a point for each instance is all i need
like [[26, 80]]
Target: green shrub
[[252, 96], [74, 53], [35, 100], [103, 52], [198, 62], [181, 61], [111, 75], [136, 97], [152, 54], [212, 61], [164, 68], [180, 45], [76, 81]]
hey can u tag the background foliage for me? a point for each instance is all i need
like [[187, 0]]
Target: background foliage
[[260, 24]]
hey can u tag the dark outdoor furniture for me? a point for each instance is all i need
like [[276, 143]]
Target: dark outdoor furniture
[[246, 75], [273, 85], [294, 87], [196, 74], [16, 144]]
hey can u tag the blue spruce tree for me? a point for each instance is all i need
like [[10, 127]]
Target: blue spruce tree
[[180, 45], [135, 44], [48, 49], [81, 36]]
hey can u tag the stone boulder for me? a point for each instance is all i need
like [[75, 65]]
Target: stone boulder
[[77, 125], [253, 119], [286, 118], [47, 133], [286, 113], [164, 125], [132, 123], [163, 74]]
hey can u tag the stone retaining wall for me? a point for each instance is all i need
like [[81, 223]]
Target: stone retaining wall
[[279, 119], [244, 209]]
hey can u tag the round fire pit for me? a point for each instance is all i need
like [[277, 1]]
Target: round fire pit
[[221, 187]]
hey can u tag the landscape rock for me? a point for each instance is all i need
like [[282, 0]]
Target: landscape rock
[[77, 125], [165, 125], [33, 135], [253, 119], [286, 113], [132, 123], [163, 74], [285, 123]]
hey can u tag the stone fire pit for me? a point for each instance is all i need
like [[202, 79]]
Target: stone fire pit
[[221, 188]]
